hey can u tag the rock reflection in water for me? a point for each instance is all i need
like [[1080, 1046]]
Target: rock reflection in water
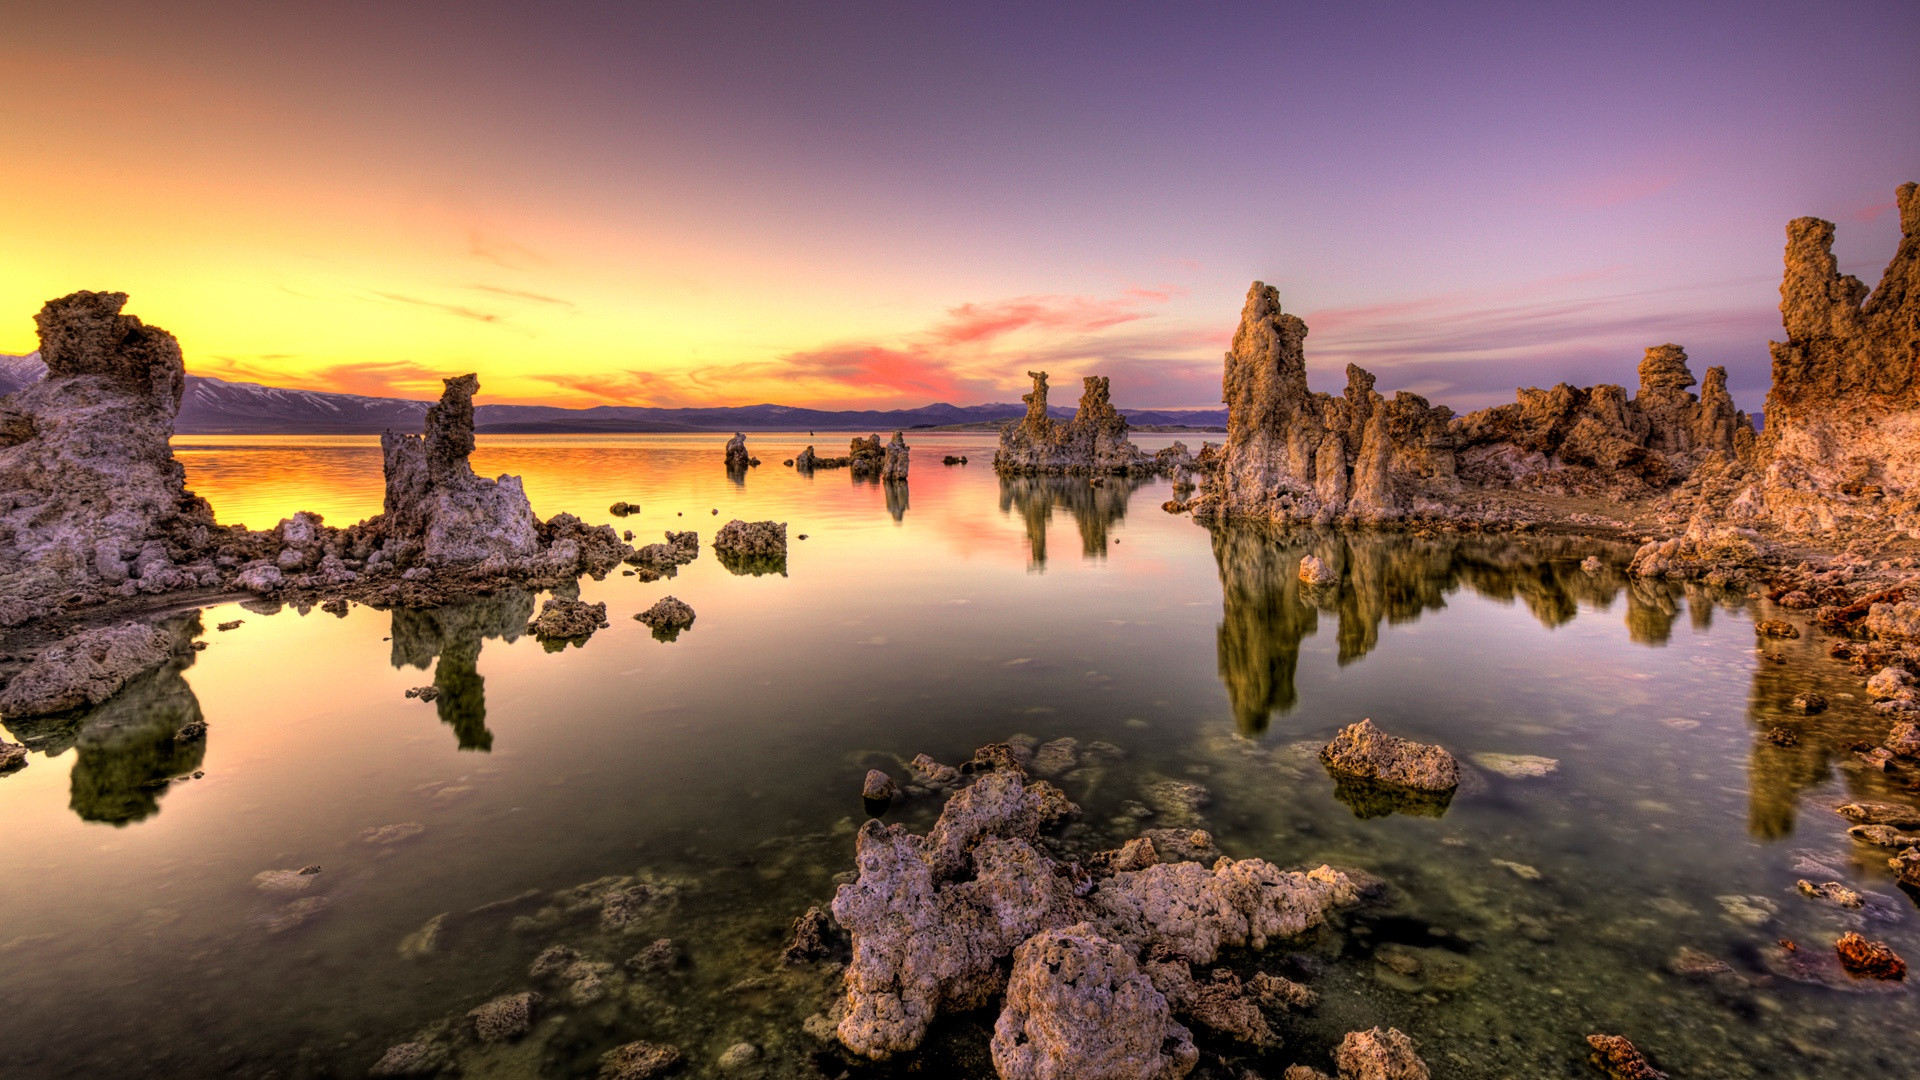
[[131, 746], [896, 498], [455, 633], [1392, 577], [1095, 508]]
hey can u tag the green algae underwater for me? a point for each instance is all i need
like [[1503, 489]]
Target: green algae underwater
[[1622, 855]]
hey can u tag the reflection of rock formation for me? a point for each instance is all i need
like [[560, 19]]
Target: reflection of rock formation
[[1095, 508], [1778, 774], [455, 633], [897, 503], [1381, 577], [132, 744]]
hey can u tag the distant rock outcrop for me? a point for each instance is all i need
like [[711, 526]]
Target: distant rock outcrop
[[1295, 456], [1094, 441], [91, 498], [1842, 440], [895, 467], [737, 457], [436, 507]]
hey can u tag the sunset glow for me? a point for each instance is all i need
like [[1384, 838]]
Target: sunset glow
[[670, 207]]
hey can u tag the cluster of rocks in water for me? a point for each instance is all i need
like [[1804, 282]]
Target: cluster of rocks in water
[[866, 458], [1092, 443]]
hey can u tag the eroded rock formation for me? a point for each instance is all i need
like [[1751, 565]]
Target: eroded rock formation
[[935, 918], [1094, 441], [895, 466], [1296, 456], [91, 498], [1842, 440], [437, 510]]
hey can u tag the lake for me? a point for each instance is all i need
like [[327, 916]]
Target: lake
[[715, 780]]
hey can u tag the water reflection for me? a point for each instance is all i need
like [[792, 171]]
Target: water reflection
[[896, 498], [455, 633], [1393, 578], [133, 745], [1095, 507]]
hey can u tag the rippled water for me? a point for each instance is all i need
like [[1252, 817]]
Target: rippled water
[[723, 770]]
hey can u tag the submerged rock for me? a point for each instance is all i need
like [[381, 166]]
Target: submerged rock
[[412, 1059], [638, 1061], [504, 1018], [1869, 959], [86, 668], [1617, 1056], [1832, 892], [1517, 766], [1880, 813], [1077, 1006], [1378, 1055], [1364, 752]]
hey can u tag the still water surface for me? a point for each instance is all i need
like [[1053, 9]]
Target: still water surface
[[722, 770]]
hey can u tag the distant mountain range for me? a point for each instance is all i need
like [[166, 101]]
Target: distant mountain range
[[213, 406]]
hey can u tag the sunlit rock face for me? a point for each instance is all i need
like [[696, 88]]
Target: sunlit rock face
[[1094, 441], [1295, 456], [90, 494], [435, 500], [1842, 439]]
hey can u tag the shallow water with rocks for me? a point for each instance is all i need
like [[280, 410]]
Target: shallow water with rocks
[[338, 868]]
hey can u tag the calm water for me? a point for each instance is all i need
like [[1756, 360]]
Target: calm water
[[723, 769]]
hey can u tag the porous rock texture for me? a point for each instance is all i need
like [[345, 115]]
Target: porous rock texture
[[737, 456], [669, 613], [1378, 1055], [895, 466], [1365, 752], [1296, 456], [91, 497], [565, 618], [1078, 1008], [1093, 442], [1842, 440], [934, 919], [436, 505], [751, 538], [865, 456]]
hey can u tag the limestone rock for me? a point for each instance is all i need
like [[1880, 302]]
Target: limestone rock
[[504, 1018], [1365, 752], [739, 537], [1869, 959], [878, 787], [1094, 442], [866, 457], [1839, 447], [737, 456], [1379, 1055], [1621, 1061], [12, 756], [91, 496], [1078, 1008], [895, 467], [437, 506], [564, 619], [638, 1061], [1192, 911], [411, 1059], [86, 668], [667, 617]]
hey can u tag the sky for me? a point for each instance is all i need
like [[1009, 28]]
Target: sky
[[890, 204]]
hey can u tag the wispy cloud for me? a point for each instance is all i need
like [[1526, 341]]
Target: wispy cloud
[[378, 378], [460, 310], [519, 294], [502, 252]]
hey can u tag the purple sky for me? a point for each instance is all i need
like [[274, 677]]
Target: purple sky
[[1462, 200]]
